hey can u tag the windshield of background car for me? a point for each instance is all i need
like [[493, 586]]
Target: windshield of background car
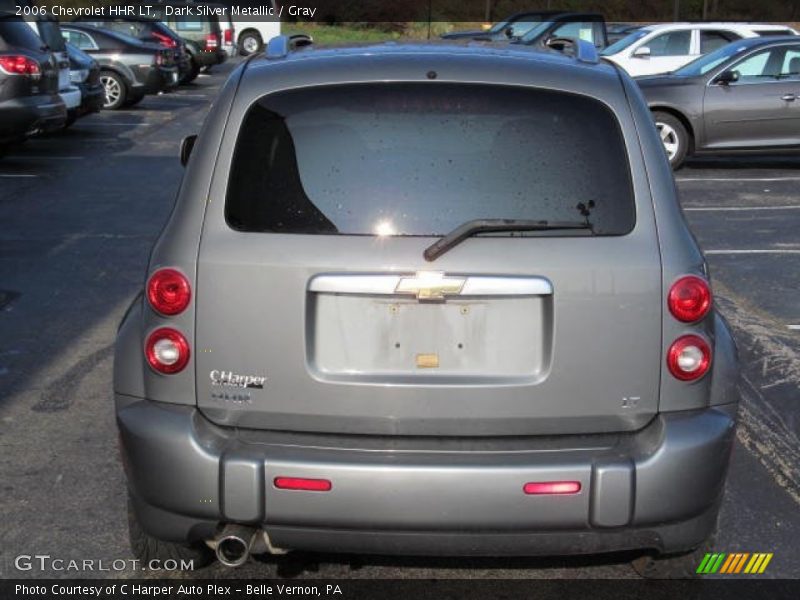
[[51, 35], [620, 45], [710, 61], [421, 159]]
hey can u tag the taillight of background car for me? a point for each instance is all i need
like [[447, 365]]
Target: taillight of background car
[[20, 65], [228, 36], [165, 40], [211, 42]]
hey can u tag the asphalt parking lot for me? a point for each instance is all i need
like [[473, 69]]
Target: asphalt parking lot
[[78, 214]]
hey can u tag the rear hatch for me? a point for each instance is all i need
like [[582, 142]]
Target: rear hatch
[[316, 310]]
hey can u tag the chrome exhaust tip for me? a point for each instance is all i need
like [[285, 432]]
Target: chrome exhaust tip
[[234, 544]]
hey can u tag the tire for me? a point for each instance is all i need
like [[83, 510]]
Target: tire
[[116, 90], [250, 43], [674, 137], [134, 99], [673, 566], [192, 74], [147, 548]]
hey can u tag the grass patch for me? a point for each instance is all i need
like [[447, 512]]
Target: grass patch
[[354, 33]]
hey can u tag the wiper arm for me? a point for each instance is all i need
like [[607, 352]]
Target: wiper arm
[[470, 228]]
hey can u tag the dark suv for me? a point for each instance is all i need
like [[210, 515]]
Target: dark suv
[[201, 33], [426, 299], [29, 99]]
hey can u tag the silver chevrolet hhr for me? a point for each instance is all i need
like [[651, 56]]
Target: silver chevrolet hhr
[[426, 299]]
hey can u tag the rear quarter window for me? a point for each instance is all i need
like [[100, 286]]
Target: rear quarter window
[[420, 159]]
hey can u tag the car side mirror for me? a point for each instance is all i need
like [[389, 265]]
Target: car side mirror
[[187, 145], [642, 52], [727, 77]]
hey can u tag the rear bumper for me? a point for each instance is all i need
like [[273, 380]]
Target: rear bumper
[[31, 114], [658, 488], [92, 98]]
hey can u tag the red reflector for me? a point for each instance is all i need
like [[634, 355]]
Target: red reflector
[[300, 483], [536, 488]]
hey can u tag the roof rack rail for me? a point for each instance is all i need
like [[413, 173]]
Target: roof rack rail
[[281, 45], [582, 50]]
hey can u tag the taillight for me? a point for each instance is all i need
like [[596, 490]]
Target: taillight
[[211, 41], [229, 36], [545, 488], [168, 292], [167, 350], [19, 65], [689, 299], [165, 40], [689, 358], [303, 484]]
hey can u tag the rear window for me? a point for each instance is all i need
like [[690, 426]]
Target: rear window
[[15, 33], [421, 159]]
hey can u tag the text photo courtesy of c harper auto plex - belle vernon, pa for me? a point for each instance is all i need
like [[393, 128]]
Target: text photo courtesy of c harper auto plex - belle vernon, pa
[[399, 299]]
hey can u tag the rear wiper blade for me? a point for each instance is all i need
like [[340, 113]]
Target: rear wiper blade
[[470, 228]]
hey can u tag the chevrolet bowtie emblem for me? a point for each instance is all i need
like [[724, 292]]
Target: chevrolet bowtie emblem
[[430, 285]]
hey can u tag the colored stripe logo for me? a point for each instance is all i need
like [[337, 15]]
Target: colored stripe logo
[[735, 563]]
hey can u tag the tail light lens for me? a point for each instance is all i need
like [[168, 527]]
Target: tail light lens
[[689, 358], [20, 65], [211, 41], [689, 299], [165, 40], [168, 292], [167, 350], [229, 36]]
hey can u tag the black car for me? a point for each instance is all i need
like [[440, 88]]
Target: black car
[[202, 34], [29, 100], [742, 97], [84, 72], [587, 26], [129, 68], [149, 30]]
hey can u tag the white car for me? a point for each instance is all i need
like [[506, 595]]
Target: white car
[[663, 48]]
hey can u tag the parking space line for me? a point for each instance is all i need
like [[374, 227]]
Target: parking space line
[[44, 157], [96, 123], [758, 251], [794, 327], [739, 208], [16, 175], [737, 179]]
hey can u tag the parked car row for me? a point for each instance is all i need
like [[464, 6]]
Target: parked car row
[[52, 73], [712, 87]]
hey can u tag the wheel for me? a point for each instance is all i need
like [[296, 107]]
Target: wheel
[[674, 137], [194, 71], [250, 43], [147, 548], [673, 566], [115, 88]]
